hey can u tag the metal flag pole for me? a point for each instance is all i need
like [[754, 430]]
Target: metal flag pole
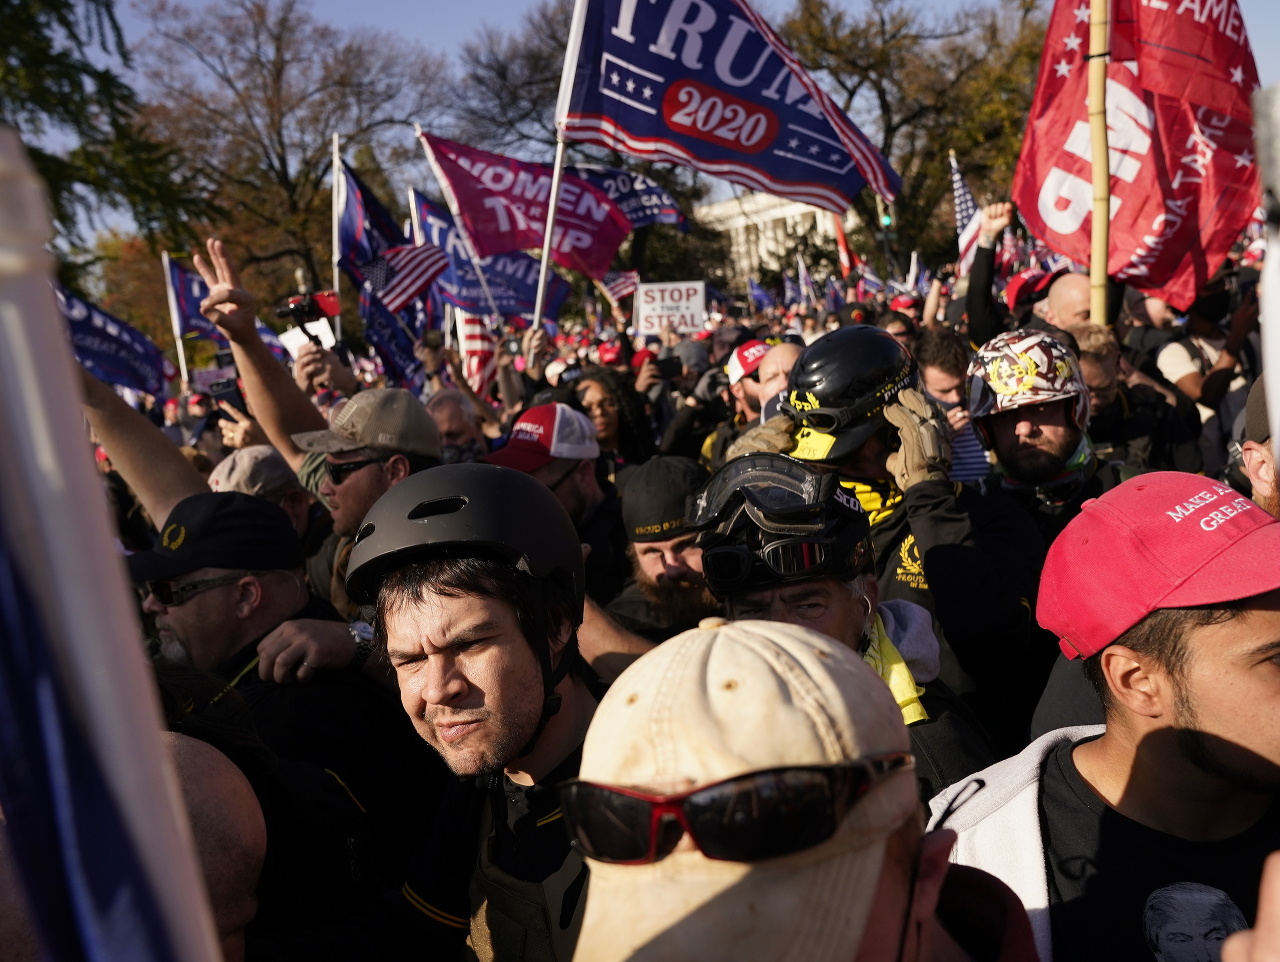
[[552, 202], [452, 201], [1099, 54], [338, 198], [1266, 125], [174, 318]]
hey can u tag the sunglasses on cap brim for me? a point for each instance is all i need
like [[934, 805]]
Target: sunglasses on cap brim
[[761, 815]]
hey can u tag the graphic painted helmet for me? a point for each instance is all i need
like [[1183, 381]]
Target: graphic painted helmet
[[1020, 369], [838, 389]]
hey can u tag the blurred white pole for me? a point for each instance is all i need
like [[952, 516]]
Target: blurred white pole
[[1266, 126]]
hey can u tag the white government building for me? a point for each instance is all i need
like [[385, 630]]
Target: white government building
[[762, 228]]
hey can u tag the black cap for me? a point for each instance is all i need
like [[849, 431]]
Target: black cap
[[654, 498], [1257, 427], [220, 530]]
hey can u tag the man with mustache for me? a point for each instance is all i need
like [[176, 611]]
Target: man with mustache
[[668, 594]]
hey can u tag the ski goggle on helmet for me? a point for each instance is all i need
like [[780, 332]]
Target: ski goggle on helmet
[[767, 520], [1023, 368]]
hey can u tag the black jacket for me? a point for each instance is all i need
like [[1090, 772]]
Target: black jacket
[[1142, 432]]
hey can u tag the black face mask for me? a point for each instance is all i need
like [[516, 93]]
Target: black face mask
[[1212, 307], [462, 453], [945, 405]]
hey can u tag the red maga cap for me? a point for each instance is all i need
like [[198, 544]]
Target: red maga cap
[[903, 301], [745, 360], [1160, 540], [544, 434]]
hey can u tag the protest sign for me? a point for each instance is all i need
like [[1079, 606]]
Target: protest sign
[[681, 305]]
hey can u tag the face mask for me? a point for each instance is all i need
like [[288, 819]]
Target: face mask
[[945, 405], [461, 453]]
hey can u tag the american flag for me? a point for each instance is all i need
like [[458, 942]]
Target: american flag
[[618, 284], [968, 219], [479, 353], [1007, 255], [400, 274]]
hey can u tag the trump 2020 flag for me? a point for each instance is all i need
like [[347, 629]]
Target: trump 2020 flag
[[708, 84], [110, 349], [388, 337], [512, 278], [643, 201], [502, 203], [186, 290]]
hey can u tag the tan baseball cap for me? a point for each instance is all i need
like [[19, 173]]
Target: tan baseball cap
[[714, 703], [390, 418], [259, 470]]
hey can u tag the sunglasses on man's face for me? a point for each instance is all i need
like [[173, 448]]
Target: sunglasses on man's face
[[339, 471], [171, 594], [745, 819]]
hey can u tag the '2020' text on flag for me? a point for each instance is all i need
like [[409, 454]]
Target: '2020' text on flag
[[503, 204], [708, 84], [1184, 178]]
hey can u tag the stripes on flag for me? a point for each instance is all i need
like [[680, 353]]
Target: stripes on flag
[[479, 354], [618, 284], [968, 219], [400, 274]]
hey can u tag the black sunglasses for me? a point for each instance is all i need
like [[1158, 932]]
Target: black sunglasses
[[171, 595], [729, 567], [339, 471], [745, 819]]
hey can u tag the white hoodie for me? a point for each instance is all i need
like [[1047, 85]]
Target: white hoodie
[[998, 829]]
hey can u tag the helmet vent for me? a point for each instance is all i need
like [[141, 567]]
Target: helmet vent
[[437, 507], [364, 532]]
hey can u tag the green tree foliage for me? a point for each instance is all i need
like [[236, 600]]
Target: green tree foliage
[[920, 84], [81, 121], [252, 90]]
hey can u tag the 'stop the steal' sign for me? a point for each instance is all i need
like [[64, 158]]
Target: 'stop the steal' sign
[[681, 305], [708, 84]]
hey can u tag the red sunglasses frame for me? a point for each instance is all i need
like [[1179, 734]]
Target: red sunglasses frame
[[875, 767]]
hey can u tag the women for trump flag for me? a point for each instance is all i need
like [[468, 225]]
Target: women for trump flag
[[708, 84], [1184, 178], [502, 204]]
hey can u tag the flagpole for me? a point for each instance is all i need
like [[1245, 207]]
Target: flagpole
[[415, 218], [454, 209], [173, 316], [556, 171], [336, 178], [1266, 123], [1099, 52]]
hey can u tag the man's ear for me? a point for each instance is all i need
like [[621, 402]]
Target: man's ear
[[249, 596], [1260, 466], [1136, 682], [397, 468], [931, 872]]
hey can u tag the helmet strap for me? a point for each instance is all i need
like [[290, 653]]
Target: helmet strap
[[552, 675]]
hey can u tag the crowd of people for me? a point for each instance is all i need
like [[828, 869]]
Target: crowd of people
[[933, 628]]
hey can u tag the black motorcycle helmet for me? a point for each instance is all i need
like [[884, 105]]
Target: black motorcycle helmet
[[482, 506], [838, 389], [767, 520]]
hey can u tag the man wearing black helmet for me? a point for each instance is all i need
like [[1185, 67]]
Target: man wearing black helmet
[[477, 580], [967, 558], [783, 542]]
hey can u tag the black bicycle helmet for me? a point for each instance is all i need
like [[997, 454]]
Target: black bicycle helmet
[[838, 389], [482, 505], [768, 520]]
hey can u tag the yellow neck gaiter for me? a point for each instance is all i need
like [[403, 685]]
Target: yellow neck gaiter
[[878, 498], [888, 664]]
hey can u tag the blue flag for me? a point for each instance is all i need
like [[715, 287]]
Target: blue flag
[[189, 289], [835, 297], [643, 201], [790, 291], [711, 86], [110, 349], [512, 278], [761, 298], [392, 342]]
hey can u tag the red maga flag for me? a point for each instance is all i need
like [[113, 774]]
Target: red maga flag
[[1184, 180], [503, 206]]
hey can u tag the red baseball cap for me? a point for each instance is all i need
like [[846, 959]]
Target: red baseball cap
[[1026, 286], [903, 301], [640, 356], [545, 433], [1160, 540], [745, 359], [609, 352]]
